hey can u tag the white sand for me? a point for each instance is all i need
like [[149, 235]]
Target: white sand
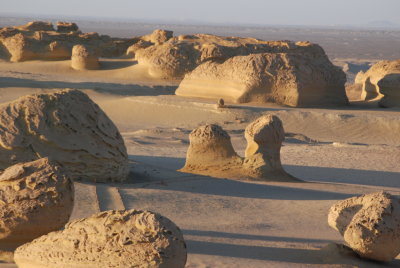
[[228, 223]]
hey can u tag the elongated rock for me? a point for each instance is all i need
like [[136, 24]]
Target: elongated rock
[[119, 238]]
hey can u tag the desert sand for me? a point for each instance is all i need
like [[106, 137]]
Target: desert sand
[[338, 152]]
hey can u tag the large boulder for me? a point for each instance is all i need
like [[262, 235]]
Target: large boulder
[[84, 59], [370, 224], [35, 198], [68, 127], [109, 239], [291, 79], [370, 79], [389, 87]]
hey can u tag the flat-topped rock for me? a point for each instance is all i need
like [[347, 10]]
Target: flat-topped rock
[[68, 127], [370, 225], [35, 198], [84, 59], [131, 238], [65, 27]]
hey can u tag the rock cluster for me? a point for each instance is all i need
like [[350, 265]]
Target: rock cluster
[[109, 239], [211, 153], [84, 59], [35, 198], [370, 224], [68, 127]]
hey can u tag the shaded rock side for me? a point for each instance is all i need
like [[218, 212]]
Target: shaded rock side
[[35, 198], [66, 27], [389, 87], [284, 78], [84, 59], [109, 239], [370, 79], [68, 127], [370, 225]]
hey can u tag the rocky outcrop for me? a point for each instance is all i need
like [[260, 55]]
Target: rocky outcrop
[[141, 44], [35, 198], [291, 79], [68, 127], [370, 79], [158, 36], [36, 41], [84, 59], [109, 239], [370, 225], [211, 153], [389, 87]]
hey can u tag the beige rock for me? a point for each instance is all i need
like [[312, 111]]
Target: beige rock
[[109, 239], [292, 79], [210, 149], [35, 198], [37, 26], [389, 87], [371, 78], [141, 44], [84, 59], [158, 36], [65, 27], [370, 224], [68, 127]]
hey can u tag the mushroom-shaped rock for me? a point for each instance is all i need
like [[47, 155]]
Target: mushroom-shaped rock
[[66, 27], [370, 224], [262, 156], [158, 36], [68, 127], [109, 239], [210, 148], [389, 87], [84, 59], [35, 198]]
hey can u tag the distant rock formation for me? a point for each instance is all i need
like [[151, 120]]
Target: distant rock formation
[[370, 225], [84, 59], [36, 41], [130, 238], [389, 87], [68, 127], [293, 79], [370, 79], [211, 153], [158, 36], [35, 198]]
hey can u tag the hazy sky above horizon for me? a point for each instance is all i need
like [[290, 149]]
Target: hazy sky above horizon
[[289, 12]]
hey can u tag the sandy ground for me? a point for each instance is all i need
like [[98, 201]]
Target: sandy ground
[[340, 152]]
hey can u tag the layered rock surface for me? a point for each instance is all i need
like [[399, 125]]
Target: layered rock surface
[[35, 198], [68, 127], [294, 79], [370, 224], [84, 59], [109, 239]]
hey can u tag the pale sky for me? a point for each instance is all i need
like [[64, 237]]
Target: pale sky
[[276, 12]]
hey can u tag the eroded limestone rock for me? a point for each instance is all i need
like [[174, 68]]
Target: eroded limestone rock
[[389, 87], [109, 239], [370, 224], [35, 198], [68, 127], [84, 59]]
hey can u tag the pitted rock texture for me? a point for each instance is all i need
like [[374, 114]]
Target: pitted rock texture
[[35, 198], [370, 79], [120, 239], [84, 59], [68, 127], [293, 79], [370, 224]]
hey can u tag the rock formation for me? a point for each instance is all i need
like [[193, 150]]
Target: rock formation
[[210, 149], [35, 198], [84, 59], [109, 239], [211, 153], [291, 79], [36, 41], [141, 44], [371, 78], [370, 224], [68, 127], [158, 36], [389, 87], [262, 156]]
